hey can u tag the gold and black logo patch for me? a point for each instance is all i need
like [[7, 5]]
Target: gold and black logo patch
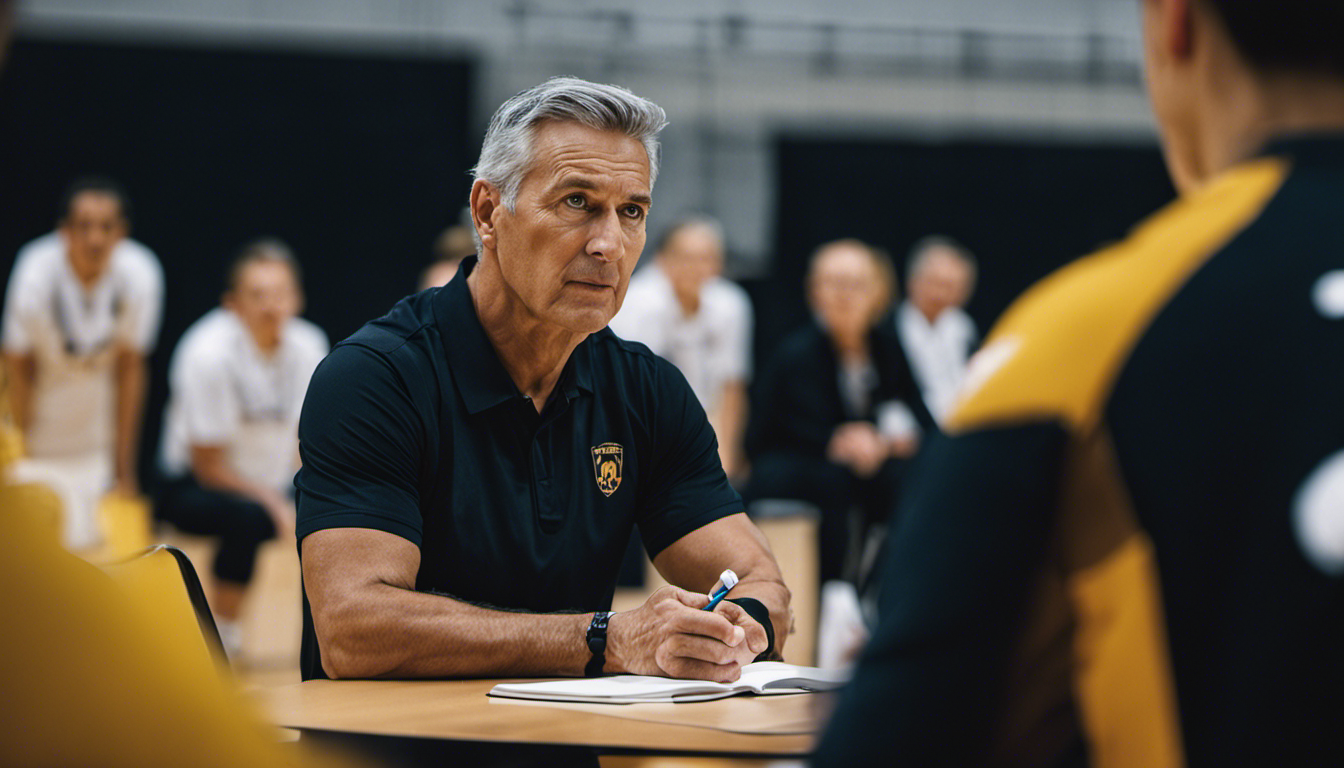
[[608, 459]]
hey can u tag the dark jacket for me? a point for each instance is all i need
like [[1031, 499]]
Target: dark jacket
[[797, 404]]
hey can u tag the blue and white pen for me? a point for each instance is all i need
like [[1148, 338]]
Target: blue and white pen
[[727, 580]]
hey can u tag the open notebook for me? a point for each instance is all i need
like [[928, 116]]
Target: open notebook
[[762, 677]]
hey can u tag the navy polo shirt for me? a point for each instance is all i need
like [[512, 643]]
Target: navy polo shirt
[[413, 426]]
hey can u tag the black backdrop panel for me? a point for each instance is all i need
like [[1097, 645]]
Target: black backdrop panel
[[1024, 209], [356, 161]]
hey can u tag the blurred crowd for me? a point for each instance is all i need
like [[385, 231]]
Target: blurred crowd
[[829, 428]]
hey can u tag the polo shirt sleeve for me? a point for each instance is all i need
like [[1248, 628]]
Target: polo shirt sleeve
[[685, 487], [138, 327], [360, 439]]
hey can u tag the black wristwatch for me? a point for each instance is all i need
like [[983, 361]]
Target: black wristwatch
[[757, 610], [597, 644]]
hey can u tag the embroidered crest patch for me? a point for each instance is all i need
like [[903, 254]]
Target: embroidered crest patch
[[608, 459]]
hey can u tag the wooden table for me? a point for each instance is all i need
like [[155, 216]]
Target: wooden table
[[460, 711]]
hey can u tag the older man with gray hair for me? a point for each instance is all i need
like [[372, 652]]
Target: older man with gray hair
[[938, 337], [474, 462]]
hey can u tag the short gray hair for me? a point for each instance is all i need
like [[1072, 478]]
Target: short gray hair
[[701, 220], [923, 251], [506, 152], [264, 249]]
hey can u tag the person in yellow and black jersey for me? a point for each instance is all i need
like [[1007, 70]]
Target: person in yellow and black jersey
[[1148, 567]]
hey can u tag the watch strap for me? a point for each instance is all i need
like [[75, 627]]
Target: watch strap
[[757, 610], [596, 638]]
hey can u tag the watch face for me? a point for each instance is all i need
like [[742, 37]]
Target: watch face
[[597, 632]]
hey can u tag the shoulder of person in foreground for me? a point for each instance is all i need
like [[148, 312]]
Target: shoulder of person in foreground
[[1056, 351], [1039, 385]]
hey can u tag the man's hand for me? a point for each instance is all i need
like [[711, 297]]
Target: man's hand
[[281, 512], [903, 447], [672, 636], [126, 487], [857, 445]]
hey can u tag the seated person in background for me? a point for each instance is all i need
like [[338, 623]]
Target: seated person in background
[[683, 309], [230, 444], [81, 315], [451, 246], [475, 460], [837, 411], [937, 335]]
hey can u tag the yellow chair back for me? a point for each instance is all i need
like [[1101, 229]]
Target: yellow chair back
[[163, 579], [87, 678], [126, 525]]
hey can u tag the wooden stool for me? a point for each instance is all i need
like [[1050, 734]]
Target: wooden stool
[[791, 528]]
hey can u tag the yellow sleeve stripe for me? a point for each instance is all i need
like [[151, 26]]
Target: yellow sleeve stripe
[[1058, 349]]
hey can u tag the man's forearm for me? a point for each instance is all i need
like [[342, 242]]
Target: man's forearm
[[388, 631], [20, 370], [371, 622], [131, 377], [210, 468]]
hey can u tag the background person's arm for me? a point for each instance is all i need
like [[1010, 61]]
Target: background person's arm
[[210, 467], [137, 330], [22, 370], [132, 375], [729, 422], [370, 622]]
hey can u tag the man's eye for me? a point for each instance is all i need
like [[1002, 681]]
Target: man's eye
[[634, 211], [576, 201]]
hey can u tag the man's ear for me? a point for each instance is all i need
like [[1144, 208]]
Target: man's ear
[[485, 204], [1178, 27]]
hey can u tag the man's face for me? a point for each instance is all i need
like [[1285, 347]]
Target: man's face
[[567, 250], [846, 290], [692, 257], [265, 298], [92, 228], [943, 282]]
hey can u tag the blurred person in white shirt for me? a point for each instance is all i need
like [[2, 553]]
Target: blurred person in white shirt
[[230, 446], [81, 315], [683, 309], [936, 334]]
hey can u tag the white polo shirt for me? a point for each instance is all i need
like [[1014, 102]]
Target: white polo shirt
[[72, 334], [938, 353], [223, 391], [711, 347]]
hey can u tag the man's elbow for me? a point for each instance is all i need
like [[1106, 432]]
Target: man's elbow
[[350, 644], [342, 663]]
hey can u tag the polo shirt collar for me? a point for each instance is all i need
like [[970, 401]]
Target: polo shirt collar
[[480, 376]]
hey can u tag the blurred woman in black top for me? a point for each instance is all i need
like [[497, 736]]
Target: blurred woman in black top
[[837, 413]]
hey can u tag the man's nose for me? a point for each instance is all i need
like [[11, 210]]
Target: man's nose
[[606, 241]]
